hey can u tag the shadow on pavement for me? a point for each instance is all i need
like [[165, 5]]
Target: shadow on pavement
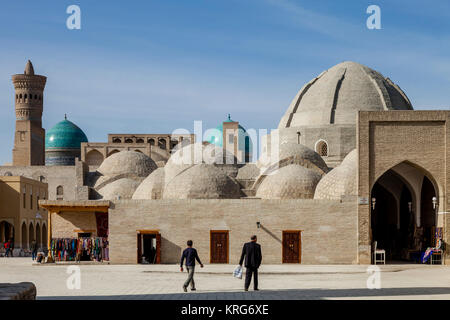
[[291, 294]]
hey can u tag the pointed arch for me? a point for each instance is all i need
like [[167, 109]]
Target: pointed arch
[[437, 187]]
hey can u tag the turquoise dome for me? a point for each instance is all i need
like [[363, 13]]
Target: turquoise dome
[[216, 137], [64, 135]]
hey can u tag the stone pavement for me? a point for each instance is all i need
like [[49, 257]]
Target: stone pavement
[[215, 282]]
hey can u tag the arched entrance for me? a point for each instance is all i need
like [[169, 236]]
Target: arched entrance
[[38, 235], [6, 231], [24, 236], [30, 235], [403, 219], [44, 236]]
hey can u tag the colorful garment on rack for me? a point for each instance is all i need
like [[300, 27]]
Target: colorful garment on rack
[[72, 249]]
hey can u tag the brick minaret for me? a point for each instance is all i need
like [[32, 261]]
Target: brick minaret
[[29, 138]]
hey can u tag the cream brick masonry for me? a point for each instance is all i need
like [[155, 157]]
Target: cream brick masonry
[[328, 227]]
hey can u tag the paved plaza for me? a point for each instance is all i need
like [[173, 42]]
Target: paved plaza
[[215, 282]]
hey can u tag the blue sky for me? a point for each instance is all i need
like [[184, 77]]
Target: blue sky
[[153, 66]]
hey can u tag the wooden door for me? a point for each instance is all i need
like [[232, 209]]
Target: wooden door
[[292, 248], [219, 247], [139, 247], [158, 248]]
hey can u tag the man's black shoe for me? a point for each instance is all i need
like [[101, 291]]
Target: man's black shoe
[[185, 289], [193, 289]]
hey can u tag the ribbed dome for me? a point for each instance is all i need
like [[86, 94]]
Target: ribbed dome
[[152, 187], [335, 96], [341, 181], [127, 163], [290, 182], [202, 181], [64, 135]]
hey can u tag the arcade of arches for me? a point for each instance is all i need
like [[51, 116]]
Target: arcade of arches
[[23, 237]]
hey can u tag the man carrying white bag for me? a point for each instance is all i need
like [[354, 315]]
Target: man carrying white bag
[[237, 273]]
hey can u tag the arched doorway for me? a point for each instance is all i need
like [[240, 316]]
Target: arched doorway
[[6, 231], [44, 236], [403, 220], [38, 235], [30, 235], [24, 239]]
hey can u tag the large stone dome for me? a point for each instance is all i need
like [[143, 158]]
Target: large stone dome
[[152, 187], [289, 153], [127, 163], [199, 153], [119, 189], [341, 181], [202, 181], [290, 182], [335, 96]]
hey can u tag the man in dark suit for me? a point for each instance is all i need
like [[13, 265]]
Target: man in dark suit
[[252, 253]]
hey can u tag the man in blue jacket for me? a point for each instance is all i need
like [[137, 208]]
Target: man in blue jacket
[[253, 257], [190, 254]]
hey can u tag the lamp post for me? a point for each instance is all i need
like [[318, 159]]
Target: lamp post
[[258, 224], [435, 203], [374, 201], [298, 137]]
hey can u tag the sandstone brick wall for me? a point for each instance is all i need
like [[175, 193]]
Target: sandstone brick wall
[[68, 224], [329, 228], [70, 177], [387, 138]]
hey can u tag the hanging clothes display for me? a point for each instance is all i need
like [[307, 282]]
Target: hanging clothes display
[[73, 249], [64, 249]]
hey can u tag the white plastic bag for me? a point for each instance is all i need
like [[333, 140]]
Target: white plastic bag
[[237, 273]]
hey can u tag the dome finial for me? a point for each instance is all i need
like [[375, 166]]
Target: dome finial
[[65, 116], [229, 117], [29, 70]]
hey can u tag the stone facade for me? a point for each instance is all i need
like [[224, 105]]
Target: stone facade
[[328, 227], [70, 178], [21, 218], [69, 224], [419, 139], [156, 146]]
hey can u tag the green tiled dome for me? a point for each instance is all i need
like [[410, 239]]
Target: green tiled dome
[[64, 135], [216, 136]]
